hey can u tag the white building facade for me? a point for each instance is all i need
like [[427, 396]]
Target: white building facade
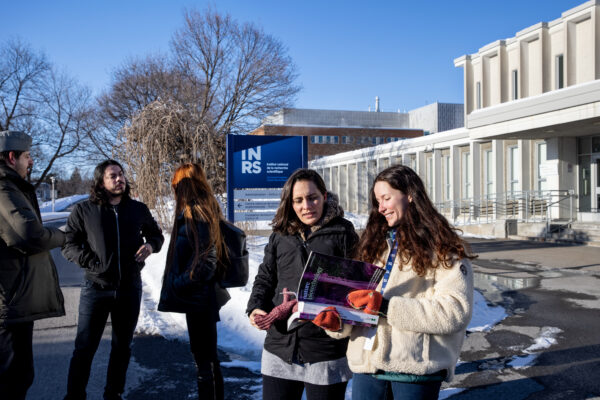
[[530, 148]]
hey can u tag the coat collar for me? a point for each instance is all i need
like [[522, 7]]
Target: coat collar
[[10, 174]]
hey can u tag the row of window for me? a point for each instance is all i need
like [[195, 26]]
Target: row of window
[[324, 139], [559, 81], [466, 166], [321, 139]]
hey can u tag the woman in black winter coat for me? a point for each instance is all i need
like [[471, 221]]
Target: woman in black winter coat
[[192, 270], [308, 219]]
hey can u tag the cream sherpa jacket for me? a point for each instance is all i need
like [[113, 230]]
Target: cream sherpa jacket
[[425, 325]]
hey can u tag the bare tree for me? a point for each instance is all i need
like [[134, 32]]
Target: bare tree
[[223, 77], [246, 73], [65, 120], [159, 138], [22, 71], [135, 84], [49, 105]]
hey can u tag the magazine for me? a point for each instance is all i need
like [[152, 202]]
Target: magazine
[[327, 280]]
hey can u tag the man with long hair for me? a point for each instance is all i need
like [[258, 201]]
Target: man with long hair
[[109, 236], [28, 280]]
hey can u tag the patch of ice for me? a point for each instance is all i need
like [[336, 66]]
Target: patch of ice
[[445, 393], [484, 316]]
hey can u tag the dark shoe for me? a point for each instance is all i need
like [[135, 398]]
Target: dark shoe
[[112, 396], [210, 381]]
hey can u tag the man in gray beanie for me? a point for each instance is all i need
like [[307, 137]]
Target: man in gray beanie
[[29, 287]]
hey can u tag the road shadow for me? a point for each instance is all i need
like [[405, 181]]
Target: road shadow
[[173, 372]]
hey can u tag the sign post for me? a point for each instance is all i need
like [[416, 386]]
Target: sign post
[[257, 168]]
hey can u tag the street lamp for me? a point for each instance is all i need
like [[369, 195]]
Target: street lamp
[[52, 179]]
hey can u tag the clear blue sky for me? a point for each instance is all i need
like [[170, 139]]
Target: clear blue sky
[[347, 52]]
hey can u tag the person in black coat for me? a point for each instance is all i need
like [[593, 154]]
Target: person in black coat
[[193, 269], [29, 287], [308, 219], [109, 236]]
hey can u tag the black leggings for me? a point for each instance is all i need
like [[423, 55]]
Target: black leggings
[[277, 389], [203, 344]]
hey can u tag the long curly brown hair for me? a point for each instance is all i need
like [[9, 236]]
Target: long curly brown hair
[[424, 236]]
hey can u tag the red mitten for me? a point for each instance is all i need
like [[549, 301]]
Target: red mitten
[[328, 319], [280, 312], [367, 300]]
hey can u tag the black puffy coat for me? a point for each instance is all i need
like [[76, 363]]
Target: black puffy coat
[[29, 287], [103, 239], [282, 267], [181, 293]]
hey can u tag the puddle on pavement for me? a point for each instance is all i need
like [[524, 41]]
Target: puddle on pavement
[[502, 282]]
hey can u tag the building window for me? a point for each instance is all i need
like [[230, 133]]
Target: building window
[[488, 184], [478, 94], [559, 71], [466, 167], [515, 84], [430, 177], [325, 139], [412, 162], [446, 175], [513, 169], [541, 160]]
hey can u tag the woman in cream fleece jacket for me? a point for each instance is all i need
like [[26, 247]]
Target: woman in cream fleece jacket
[[425, 299]]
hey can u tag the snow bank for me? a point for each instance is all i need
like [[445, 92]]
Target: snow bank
[[235, 334], [484, 316]]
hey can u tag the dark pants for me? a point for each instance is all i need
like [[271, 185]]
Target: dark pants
[[202, 330], [277, 388], [95, 305], [366, 387], [16, 360]]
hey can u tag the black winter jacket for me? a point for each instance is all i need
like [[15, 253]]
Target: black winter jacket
[[282, 267], [179, 292], [29, 287], [103, 239]]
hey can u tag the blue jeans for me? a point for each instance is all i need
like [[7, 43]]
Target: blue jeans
[[16, 360], [95, 305], [366, 387]]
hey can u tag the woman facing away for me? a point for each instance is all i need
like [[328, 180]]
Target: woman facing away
[[192, 270], [305, 358], [425, 299]]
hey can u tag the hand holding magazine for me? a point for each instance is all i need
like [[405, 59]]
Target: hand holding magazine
[[327, 281]]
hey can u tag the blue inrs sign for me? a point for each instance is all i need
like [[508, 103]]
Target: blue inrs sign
[[262, 162]]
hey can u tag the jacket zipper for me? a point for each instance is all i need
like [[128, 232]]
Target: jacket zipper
[[118, 244]]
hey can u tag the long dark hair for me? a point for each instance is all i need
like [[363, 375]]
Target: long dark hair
[[194, 199], [98, 194], [422, 234], [286, 221]]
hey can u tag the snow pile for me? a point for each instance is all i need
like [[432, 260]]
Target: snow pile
[[546, 339], [484, 316], [235, 334]]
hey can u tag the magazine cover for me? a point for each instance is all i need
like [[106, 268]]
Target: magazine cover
[[327, 280]]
